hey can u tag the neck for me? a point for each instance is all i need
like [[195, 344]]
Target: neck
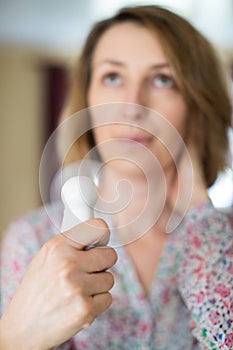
[[136, 201]]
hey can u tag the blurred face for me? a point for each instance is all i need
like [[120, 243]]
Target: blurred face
[[129, 66]]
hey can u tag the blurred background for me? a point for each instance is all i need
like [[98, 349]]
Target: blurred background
[[39, 40]]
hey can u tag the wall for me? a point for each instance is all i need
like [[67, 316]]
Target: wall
[[21, 132], [23, 125]]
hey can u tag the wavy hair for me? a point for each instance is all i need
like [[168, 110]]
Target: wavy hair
[[197, 73]]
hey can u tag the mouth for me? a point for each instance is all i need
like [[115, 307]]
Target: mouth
[[133, 139]]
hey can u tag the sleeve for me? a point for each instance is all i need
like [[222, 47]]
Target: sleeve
[[206, 276], [21, 241], [18, 247]]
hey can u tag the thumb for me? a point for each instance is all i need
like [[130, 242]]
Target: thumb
[[93, 232]]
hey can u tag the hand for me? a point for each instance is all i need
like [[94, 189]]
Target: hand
[[64, 289]]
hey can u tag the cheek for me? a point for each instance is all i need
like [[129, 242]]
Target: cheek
[[97, 94], [176, 112], [105, 143], [92, 94], [90, 99], [101, 134], [179, 121]]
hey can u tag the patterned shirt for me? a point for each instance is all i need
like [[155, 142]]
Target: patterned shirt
[[190, 305]]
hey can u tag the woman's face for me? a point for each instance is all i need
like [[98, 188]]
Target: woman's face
[[129, 65]]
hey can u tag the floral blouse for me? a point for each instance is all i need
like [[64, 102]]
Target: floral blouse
[[190, 305]]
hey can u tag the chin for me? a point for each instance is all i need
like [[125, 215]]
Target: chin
[[128, 168]]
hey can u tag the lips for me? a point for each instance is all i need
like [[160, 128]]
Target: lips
[[142, 139]]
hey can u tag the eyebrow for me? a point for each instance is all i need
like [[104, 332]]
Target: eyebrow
[[120, 64]]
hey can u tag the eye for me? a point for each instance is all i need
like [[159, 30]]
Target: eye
[[112, 79], [163, 81]]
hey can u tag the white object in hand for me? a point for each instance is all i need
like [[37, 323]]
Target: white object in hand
[[79, 195]]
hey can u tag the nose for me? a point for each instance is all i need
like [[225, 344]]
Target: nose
[[132, 111], [134, 93], [135, 101]]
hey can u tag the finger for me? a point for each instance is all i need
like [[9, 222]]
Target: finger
[[90, 232], [98, 283], [99, 259], [101, 303]]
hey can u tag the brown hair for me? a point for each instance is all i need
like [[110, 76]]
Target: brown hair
[[198, 76]]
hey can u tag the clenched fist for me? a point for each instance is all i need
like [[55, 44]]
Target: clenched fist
[[64, 289]]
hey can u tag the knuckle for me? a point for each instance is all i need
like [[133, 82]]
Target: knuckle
[[66, 269], [108, 300], [97, 261], [103, 258], [112, 255], [52, 247], [110, 279], [100, 223], [69, 294], [66, 283], [84, 311], [86, 325]]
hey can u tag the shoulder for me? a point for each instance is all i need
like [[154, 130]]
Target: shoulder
[[208, 215], [205, 233]]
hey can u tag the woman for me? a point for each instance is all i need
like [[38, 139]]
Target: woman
[[171, 291]]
